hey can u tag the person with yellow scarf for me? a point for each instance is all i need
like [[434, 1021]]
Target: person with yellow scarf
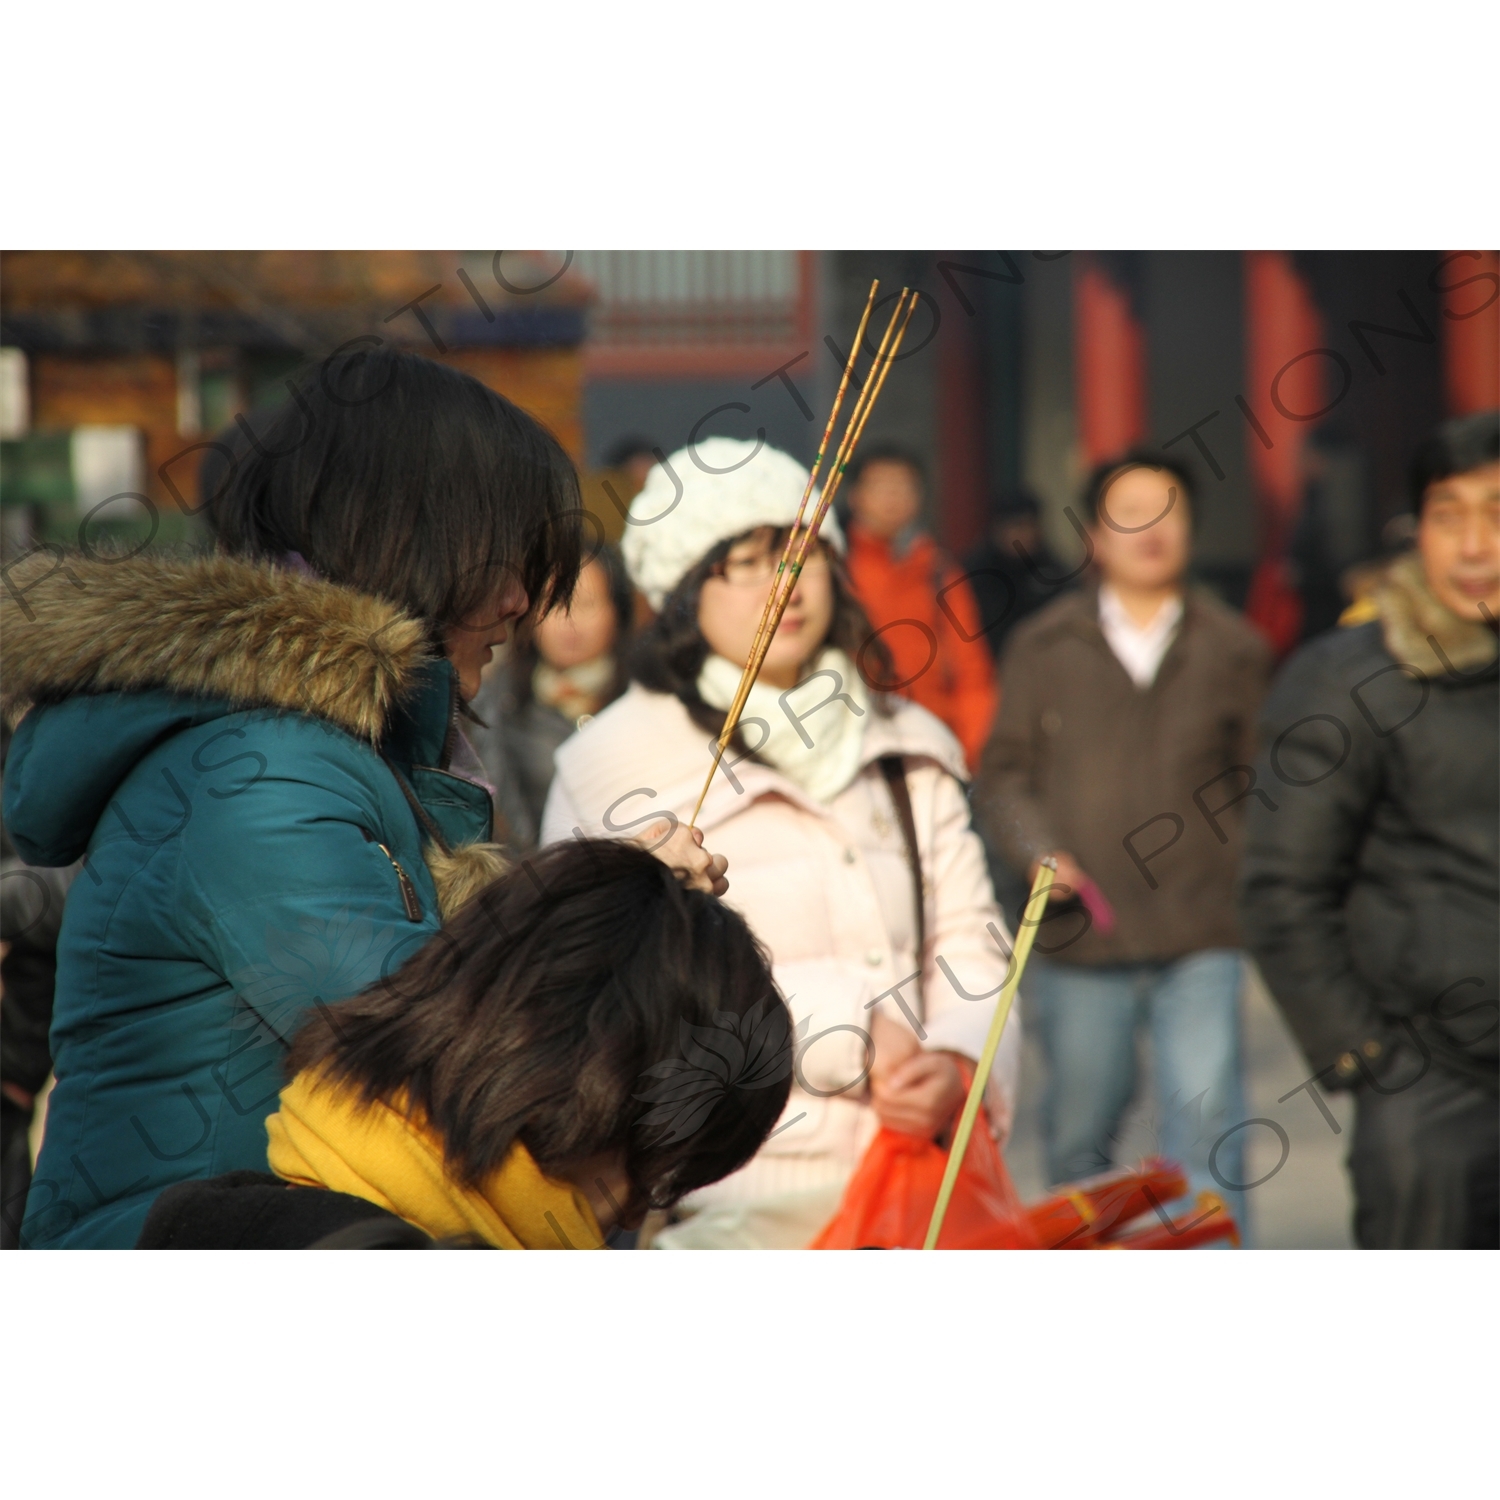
[[587, 1039]]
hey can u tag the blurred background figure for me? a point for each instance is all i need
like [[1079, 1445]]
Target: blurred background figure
[[1012, 571], [917, 599], [1370, 891], [561, 671], [633, 457], [31, 908], [1122, 703]]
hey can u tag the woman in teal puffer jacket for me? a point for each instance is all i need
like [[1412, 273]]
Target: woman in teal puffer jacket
[[258, 755]]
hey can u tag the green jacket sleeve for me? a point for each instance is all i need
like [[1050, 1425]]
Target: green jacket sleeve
[[285, 889]]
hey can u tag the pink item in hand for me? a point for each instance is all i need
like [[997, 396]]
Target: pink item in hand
[[1097, 905]]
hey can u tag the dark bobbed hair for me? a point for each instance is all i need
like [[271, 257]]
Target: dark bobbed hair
[[524, 655], [667, 656], [887, 453], [403, 478], [557, 998], [1457, 446], [1106, 473]]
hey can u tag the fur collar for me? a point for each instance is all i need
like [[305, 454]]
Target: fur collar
[[212, 627], [221, 627], [1422, 631]]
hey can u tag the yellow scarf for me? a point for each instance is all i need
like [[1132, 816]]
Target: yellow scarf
[[326, 1137]]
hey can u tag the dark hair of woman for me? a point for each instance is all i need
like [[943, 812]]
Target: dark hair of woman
[[667, 655], [400, 477], [522, 663], [1460, 444], [886, 453], [585, 1003], [1105, 475]]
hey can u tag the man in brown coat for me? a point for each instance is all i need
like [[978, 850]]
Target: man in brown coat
[[1123, 747]]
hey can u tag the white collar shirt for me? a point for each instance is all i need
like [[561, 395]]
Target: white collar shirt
[[1139, 649]]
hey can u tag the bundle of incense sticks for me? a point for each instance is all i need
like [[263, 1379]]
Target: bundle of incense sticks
[[801, 539]]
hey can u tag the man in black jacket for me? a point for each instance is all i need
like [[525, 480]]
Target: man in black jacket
[[1369, 892]]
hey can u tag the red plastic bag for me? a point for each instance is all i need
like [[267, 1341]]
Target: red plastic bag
[[890, 1198]]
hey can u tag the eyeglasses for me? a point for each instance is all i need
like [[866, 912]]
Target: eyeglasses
[[756, 565]]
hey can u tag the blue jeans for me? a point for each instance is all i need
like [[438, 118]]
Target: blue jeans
[[1086, 1018]]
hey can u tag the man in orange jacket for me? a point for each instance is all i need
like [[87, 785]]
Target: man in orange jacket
[[918, 600]]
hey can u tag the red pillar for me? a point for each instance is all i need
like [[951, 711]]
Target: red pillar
[[1470, 285], [1285, 382], [1109, 353]]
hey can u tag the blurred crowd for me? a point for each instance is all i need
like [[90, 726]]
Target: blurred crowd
[[925, 731]]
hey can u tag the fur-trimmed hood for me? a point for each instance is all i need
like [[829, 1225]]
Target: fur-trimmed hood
[[1418, 628], [222, 635], [252, 634]]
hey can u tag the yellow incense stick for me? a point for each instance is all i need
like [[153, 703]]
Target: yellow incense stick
[[747, 680], [784, 583], [1026, 927], [852, 435], [831, 489]]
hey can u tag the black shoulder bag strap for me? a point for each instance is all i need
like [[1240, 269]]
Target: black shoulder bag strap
[[894, 770]]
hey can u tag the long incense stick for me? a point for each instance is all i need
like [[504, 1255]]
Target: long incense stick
[[747, 680], [785, 580], [857, 424], [1026, 927], [852, 434]]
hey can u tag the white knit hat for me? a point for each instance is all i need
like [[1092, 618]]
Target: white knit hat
[[684, 511]]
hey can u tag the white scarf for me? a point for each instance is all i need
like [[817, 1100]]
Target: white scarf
[[824, 768], [573, 691]]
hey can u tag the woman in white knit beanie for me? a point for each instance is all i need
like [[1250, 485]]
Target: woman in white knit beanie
[[833, 802]]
